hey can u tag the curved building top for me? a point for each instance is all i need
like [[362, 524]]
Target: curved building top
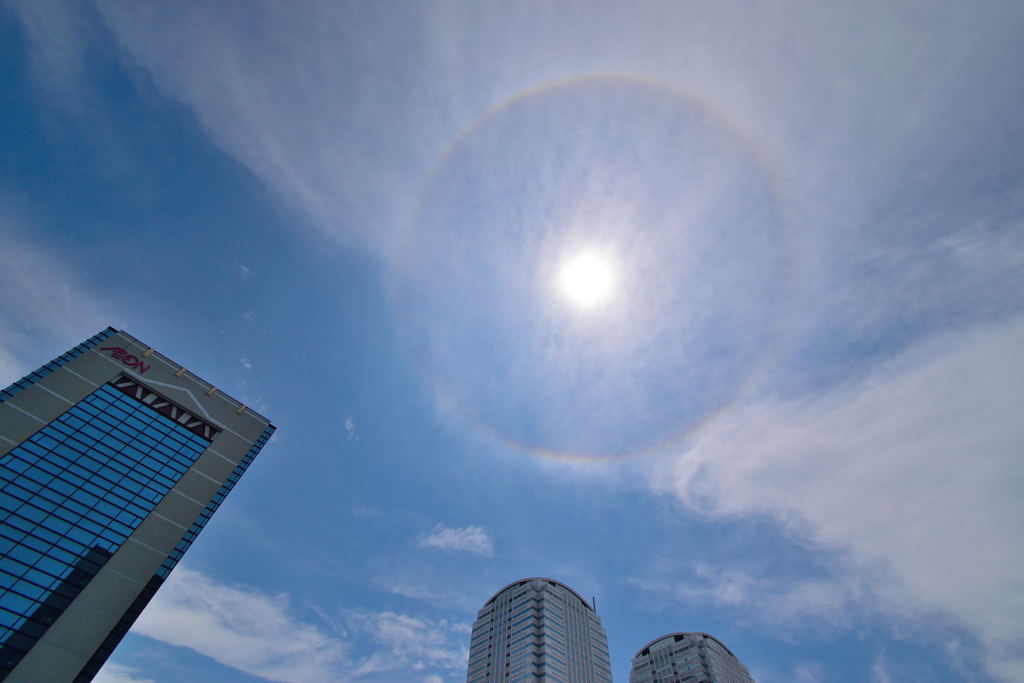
[[553, 582], [677, 636]]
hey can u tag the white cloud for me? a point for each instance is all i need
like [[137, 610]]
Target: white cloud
[[246, 363], [59, 45], [242, 628], [118, 673], [1006, 667], [913, 471], [785, 604], [350, 429], [879, 672], [263, 635], [408, 642], [470, 539], [432, 583], [808, 672], [44, 306]]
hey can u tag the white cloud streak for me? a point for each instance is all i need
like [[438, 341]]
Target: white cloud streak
[[245, 629], [431, 583], [408, 642], [784, 604], [470, 539], [113, 672], [879, 672], [262, 634], [915, 469], [43, 304]]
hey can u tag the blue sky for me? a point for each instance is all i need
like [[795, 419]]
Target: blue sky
[[794, 422]]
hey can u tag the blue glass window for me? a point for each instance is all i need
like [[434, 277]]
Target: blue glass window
[[73, 492], [207, 513]]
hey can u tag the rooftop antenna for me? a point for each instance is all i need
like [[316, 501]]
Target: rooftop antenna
[[593, 603]]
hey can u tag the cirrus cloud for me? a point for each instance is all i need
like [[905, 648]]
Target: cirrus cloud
[[264, 634], [469, 539], [913, 471]]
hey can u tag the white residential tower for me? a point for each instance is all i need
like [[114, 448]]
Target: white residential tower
[[687, 658], [538, 630]]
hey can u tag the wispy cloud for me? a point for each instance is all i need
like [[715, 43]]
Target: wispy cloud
[[470, 539], [59, 44], [809, 672], [891, 469], [350, 429], [879, 671], [408, 642], [266, 635], [243, 628], [43, 304], [433, 585], [787, 605], [118, 673]]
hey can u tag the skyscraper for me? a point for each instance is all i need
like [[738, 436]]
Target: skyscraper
[[538, 630], [689, 658], [112, 459]]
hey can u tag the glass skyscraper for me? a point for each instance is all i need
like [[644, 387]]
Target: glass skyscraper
[[687, 658], [538, 630], [112, 460]]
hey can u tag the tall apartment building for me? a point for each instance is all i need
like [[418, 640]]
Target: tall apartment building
[[112, 460], [687, 658], [538, 630]]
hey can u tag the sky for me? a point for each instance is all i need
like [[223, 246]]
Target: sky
[[784, 410]]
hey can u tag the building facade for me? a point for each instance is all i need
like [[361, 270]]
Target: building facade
[[687, 658], [112, 460], [538, 630]]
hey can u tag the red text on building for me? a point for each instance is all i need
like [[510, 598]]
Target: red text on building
[[134, 362]]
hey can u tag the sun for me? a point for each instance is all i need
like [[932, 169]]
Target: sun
[[586, 279]]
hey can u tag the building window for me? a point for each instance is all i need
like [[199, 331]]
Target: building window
[[70, 495]]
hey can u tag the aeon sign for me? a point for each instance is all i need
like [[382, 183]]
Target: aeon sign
[[134, 362]]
